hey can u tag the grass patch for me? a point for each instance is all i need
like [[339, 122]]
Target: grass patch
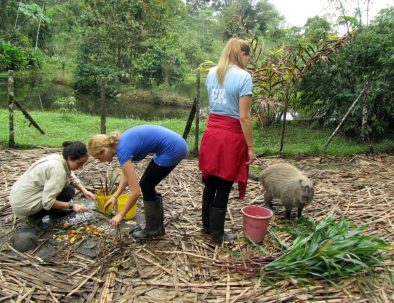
[[61, 127], [300, 140]]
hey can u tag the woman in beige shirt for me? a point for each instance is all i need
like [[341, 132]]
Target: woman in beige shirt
[[44, 189]]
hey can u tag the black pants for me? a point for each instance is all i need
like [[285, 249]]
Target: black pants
[[217, 191], [65, 195], [151, 177]]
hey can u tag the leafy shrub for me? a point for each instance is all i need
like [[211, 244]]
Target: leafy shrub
[[66, 104], [16, 58], [331, 87]]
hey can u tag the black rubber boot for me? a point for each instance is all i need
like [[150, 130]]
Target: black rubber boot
[[160, 199], [153, 220], [205, 216], [216, 222], [36, 222]]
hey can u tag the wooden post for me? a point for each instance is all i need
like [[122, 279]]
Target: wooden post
[[11, 140], [197, 128], [282, 135], [103, 104], [189, 122]]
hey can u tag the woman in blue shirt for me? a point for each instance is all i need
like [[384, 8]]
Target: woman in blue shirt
[[133, 145]]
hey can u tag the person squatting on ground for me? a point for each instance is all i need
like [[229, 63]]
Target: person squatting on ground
[[227, 145], [134, 145], [47, 188]]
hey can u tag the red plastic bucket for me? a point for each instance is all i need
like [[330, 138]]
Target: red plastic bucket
[[255, 222]]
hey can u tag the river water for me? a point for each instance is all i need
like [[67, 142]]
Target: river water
[[38, 94]]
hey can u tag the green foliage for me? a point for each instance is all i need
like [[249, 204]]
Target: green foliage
[[246, 17], [16, 58], [331, 87], [32, 11], [11, 57], [66, 104], [156, 66], [123, 40], [327, 250], [94, 62], [316, 29]]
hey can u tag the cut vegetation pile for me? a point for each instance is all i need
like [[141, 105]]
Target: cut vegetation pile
[[183, 266], [328, 250]]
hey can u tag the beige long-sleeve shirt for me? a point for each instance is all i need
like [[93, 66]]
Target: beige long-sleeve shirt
[[39, 186]]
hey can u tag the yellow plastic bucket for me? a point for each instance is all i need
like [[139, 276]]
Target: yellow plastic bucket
[[122, 200]]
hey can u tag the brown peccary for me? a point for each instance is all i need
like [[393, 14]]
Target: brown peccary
[[289, 185]]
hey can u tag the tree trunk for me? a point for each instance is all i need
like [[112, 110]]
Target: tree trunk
[[38, 32], [16, 19], [11, 140], [103, 104], [197, 129]]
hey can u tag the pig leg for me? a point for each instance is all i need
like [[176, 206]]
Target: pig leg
[[288, 212], [268, 199], [300, 208]]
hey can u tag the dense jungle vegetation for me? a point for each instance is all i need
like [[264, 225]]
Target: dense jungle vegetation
[[312, 70]]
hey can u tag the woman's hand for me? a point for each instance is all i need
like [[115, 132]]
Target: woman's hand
[[88, 195], [116, 220], [112, 202], [79, 208], [252, 156]]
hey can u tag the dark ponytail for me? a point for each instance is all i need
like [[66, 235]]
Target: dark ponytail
[[74, 149]]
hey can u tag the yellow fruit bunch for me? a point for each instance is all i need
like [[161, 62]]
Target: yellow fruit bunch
[[82, 232]]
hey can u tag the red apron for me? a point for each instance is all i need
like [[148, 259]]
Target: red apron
[[224, 151]]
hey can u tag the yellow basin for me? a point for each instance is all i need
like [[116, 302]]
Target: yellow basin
[[121, 201]]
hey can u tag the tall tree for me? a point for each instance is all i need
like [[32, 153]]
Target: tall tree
[[332, 86], [317, 28], [123, 39]]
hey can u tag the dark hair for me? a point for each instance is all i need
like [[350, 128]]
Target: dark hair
[[74, 149]]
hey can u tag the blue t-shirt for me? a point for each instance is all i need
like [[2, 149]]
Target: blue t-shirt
[[136, 143], [224, 99]]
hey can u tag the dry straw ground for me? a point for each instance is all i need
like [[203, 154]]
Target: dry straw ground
[[183, 266]]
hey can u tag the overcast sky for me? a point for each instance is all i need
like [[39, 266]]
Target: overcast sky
[[297, 12]]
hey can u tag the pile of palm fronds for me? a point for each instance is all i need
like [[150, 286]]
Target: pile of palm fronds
[[326, 250]]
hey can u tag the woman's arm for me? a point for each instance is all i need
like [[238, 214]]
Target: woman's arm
[[122, 185], [245, 119], [65, 205], [85, 192], [131, 179], [78, 185], [118, 192]]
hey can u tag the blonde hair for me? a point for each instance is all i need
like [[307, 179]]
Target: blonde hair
[[99, 143], [232, 54]]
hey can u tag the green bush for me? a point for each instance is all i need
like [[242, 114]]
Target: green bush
[[16, 58], [331, 87]]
